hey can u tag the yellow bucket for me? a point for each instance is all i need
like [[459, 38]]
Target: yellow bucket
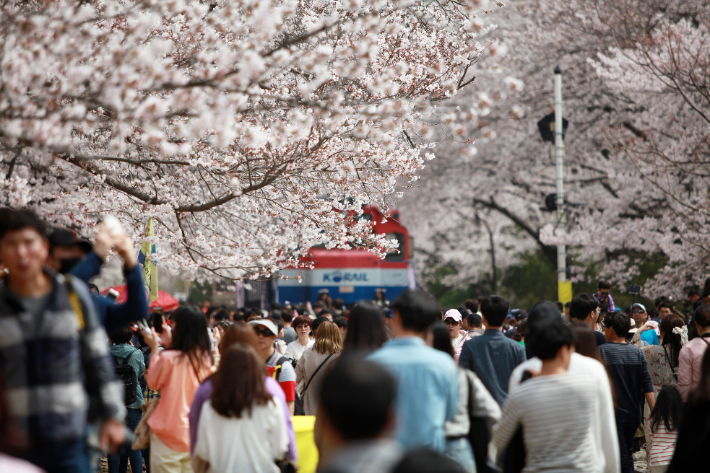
[[307, 451]]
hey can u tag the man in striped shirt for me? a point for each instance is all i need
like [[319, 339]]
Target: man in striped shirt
[[628, 371], [278, 366], [557, 408]]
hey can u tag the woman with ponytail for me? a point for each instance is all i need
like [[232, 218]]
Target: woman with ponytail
[[663, 365]]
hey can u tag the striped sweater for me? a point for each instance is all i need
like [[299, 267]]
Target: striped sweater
[[663, 445], [557, 413], [628, 370]]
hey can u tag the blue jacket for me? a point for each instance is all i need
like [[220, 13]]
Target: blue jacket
[[493, 357], [113, 316]]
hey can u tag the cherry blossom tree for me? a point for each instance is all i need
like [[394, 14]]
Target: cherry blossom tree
[[657, 60], [250, 130], [635, 89]]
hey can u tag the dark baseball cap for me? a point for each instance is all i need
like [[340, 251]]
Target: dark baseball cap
[[60, 237]]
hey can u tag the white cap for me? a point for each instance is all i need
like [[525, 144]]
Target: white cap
[[453, 314], [266, 323]]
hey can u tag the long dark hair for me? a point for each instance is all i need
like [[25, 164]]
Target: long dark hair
[[190, 336], [670, 339], [586, 343], [366, 329], [239, 384], [667, 410], [441, 340], [701, 393]]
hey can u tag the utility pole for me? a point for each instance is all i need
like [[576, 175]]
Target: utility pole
[[559, 149]]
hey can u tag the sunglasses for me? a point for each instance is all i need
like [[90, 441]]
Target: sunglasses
[[263, 332], [451, 322], [637, 312]]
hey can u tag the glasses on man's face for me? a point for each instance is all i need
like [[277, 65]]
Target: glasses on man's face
[[451, 322], [263, 332], [637, 312]]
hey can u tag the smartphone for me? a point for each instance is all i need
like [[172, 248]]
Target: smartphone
[[157, 321]]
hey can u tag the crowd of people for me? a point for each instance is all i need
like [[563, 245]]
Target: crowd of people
[[401, 386]]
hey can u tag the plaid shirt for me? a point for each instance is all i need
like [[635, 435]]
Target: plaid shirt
[[53, 369]]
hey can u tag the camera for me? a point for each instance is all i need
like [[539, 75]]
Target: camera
[[633, 289]]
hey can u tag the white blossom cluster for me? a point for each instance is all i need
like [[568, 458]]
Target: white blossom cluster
[[250, 130], [635, 90]]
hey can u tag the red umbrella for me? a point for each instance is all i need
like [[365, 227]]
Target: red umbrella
[[164, 300]]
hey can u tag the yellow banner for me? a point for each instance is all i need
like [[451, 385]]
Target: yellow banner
[[147, 257], [564, 291]]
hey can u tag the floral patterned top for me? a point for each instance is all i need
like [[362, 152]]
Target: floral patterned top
[[659, 368]]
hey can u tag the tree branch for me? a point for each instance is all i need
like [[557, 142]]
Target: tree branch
[[549, 251]]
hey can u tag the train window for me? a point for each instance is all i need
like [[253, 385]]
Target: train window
[[396, 255]]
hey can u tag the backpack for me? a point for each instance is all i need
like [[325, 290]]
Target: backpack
[[127, 375], [280, 362]]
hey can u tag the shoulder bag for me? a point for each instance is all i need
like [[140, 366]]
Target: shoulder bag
[[478, 435], [514, 459], [141, 436], [670, 363]]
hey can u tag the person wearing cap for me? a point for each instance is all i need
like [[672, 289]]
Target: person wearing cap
[[66, 250], [278, 366], [516, 317], [324, 297], [453, 321], [648, 328], [606, 302], [69, 255]]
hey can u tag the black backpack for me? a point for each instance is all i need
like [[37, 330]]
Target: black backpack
[[128, 376]]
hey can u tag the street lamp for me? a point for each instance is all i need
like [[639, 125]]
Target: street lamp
[[552, 128]]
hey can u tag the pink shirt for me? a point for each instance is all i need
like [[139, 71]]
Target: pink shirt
[[172, 374], [457, 343], [689, 361]]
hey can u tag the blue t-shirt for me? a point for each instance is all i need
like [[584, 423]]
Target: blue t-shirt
[[427, 391], [650, 337]]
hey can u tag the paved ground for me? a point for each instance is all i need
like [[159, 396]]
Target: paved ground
[[103, 468], [640, 461]]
